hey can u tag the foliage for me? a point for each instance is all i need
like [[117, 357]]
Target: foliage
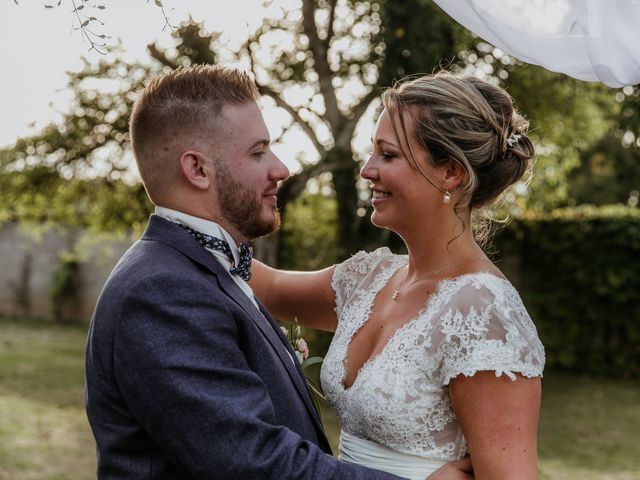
[[580, 282], [309, 234], [64, 286], [86, 20], [566, 117], [418, 38], [321, 62], [78, 172], [609, 170]]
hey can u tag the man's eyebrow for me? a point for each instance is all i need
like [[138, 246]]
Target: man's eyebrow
[[260, 143]]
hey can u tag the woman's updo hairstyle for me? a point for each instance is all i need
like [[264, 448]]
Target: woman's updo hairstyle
[[469, 121]]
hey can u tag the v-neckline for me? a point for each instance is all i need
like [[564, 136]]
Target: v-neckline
[[424, 310], [374, 294]]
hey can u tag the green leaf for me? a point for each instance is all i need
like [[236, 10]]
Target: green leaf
[[311, 361]]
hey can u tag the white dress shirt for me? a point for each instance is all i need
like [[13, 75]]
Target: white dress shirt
[[215, 230]]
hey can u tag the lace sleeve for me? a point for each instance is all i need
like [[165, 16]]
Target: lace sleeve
[[485, 327], [348, 275]]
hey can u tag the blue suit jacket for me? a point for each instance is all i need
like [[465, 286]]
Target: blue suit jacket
[[186, 379]]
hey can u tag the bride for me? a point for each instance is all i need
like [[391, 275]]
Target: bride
[[434, 355]]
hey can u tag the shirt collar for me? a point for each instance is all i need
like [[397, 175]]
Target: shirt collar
[[201, 225]]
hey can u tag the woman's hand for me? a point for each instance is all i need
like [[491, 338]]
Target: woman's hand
[[460, 470]]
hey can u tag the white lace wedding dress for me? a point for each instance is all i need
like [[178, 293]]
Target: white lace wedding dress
[[397, 415]]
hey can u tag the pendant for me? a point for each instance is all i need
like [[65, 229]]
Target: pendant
[[394, 297]]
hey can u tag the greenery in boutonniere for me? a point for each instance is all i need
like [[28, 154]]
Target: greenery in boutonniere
[[299, 344]]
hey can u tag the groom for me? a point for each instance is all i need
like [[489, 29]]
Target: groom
[[187, 375]]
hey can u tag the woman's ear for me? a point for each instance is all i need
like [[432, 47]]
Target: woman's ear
[[454, 175], [196, 169]]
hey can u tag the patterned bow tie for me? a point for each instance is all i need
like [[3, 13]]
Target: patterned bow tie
[[243, 270]]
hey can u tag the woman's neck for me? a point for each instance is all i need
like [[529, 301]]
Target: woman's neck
[[434, 249]]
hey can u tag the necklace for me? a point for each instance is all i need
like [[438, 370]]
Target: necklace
[[396, 292]]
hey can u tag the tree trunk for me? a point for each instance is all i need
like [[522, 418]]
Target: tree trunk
[[266, 249], [344, 182]]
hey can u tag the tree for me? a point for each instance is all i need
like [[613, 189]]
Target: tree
[[323, 63], [77, 173], [609, 171], [332, 52], [85, 19]]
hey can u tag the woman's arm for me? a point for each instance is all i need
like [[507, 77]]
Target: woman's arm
[[305, 296], [499, 418]]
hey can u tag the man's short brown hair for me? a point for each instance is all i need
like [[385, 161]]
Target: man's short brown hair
[[179, 111]]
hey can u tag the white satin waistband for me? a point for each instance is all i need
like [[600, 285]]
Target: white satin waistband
[[371, 454]]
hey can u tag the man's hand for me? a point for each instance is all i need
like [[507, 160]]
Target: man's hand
[[460, 470]]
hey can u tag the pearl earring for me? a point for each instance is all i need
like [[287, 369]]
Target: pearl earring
[[447, 197]]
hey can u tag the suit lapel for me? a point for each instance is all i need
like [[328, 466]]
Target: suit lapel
[[302, 386], [271, 331], [164, 231]]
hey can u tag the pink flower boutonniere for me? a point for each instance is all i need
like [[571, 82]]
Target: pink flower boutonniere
[[299, 344], [301, 348]]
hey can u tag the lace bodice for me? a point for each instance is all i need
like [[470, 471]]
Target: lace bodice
[[400, 397]]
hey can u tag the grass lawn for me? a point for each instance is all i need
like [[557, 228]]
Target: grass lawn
[[589, 429]]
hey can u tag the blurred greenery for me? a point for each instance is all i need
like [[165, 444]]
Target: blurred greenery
[[581, 268], [588, 427], [78, 172], [580, 280]]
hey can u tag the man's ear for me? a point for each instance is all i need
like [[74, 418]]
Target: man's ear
[[454, 175], [196, 169]]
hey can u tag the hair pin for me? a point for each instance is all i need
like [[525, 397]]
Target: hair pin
[[513, 139]]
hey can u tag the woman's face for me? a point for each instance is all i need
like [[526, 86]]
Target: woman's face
[[401, 197]]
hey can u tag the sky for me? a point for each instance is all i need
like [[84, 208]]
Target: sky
[[38, 45]]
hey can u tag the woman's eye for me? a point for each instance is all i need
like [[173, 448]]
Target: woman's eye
[[387, 155]]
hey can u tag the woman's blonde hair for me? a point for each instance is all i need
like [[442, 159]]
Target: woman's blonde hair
[[471, 122]]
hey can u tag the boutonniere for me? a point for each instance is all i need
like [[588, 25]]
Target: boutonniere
[[301, 349]]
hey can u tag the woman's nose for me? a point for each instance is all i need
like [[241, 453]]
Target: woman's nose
[[369, 171]]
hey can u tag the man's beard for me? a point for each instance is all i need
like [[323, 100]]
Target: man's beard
[[240, 206]]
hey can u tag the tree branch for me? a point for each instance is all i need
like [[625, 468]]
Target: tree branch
[[295, 114], [83, 27], [160, 56], [321, 65], [332, 17], [349, 127], [294, 186]]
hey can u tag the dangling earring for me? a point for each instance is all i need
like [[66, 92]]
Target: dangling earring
[[447, 197]]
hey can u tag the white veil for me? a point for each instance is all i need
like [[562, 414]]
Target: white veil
[[593, 40]]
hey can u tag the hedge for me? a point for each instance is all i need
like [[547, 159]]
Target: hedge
[[580, 280]]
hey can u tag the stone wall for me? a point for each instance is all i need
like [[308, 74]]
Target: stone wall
[[29, 260]]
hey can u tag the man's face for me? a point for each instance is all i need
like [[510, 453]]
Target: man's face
[[248, 172]]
